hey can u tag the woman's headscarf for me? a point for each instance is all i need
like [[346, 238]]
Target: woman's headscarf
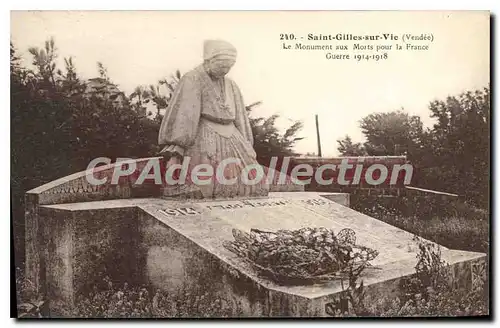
[[212, 48]]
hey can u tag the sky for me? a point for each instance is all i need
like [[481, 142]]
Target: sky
[[140, 48]]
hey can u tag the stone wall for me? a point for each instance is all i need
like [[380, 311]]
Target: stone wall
[[80, 248], [73, 189]]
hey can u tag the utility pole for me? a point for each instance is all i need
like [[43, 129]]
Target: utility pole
[[317, 134]]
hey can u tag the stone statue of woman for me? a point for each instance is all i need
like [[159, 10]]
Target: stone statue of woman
[[207, 122]]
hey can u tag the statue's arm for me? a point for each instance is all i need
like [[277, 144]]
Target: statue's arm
[[180, 123], [242, 121]]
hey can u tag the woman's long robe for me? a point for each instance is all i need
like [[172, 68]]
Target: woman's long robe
[[196, 126]]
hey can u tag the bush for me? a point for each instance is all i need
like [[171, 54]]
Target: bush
[[430, 292], [142, 302]]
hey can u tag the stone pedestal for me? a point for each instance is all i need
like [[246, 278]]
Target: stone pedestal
[[178, 247], [76, 234]]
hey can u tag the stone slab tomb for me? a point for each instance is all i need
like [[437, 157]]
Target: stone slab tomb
[[177, 245]]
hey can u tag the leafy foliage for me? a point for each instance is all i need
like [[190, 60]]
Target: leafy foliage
[[432, 291], [460, 142], [448, 156], [140, 302], [391, 133], [347, 147], [269, 142]]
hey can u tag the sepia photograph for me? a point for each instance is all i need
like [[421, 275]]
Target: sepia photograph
[[250, 164]]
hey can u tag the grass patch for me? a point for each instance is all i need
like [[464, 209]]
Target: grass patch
[[453, 224]]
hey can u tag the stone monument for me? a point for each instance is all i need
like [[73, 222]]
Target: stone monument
[[172, 237], [207, 122]]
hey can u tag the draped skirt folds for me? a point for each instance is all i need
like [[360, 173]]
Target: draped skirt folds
[[222, 164]]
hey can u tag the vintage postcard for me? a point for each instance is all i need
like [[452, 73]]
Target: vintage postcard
[[250, 164]]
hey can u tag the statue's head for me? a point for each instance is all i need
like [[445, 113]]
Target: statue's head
[[219, 56]]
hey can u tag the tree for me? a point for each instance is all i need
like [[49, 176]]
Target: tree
[[347, 148], [59, 123], [160, 100], [460, 145], [15, 66], [392, 133], [103, 71], [171, 83], [140, 98], [268, 141], [44, 61], [452, 156]]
